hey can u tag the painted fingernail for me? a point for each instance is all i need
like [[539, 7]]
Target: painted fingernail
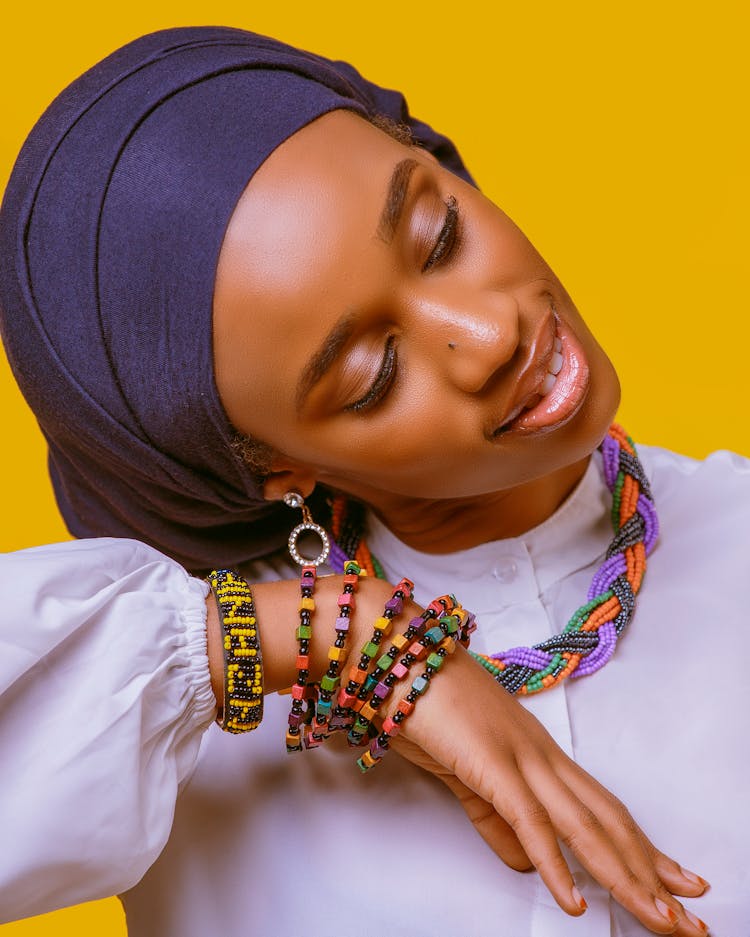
[[696, 922], [692, 877], [578, 898], [665, 910]]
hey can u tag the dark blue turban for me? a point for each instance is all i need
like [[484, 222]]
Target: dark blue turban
[[110, 233]]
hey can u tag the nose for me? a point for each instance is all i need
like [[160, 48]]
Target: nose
[[471, 335]]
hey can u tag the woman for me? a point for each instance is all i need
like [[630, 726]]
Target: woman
[[357, 317]]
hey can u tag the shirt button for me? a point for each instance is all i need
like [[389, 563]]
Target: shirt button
[[505, 570]]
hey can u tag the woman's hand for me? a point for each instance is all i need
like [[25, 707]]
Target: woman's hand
[[521, 792], [525, 796]]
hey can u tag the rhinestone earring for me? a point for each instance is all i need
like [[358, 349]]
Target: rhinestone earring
[[294, 499]]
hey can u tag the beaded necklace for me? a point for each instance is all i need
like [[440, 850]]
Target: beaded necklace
[[589, 639]]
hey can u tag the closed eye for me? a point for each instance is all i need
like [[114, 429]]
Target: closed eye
[[447, 239], [382, 383]]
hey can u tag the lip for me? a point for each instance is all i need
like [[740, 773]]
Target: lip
[[565, 399]]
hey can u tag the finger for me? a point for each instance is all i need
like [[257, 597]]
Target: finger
[[678, 880], [490, 825], [618, 861], [532, 825], [625, 831]]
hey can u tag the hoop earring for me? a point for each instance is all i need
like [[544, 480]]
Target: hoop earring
[[294, 499]]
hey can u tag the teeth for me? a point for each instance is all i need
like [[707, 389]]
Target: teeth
[[558, 345], [549, 383], [556, 362]]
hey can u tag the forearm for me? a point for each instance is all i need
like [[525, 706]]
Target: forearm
[[277, 608]]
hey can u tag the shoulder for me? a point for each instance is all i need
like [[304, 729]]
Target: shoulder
[[704, 503], [719, 477]]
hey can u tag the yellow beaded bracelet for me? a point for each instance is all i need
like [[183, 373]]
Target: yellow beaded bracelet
[[243, 663]]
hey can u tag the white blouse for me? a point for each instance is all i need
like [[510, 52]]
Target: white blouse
[[105, 700]]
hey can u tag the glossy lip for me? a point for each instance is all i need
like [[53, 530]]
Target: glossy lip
[[565, 399], [530, 378]]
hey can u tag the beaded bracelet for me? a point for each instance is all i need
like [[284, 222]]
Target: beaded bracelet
[[301, 691], [383, 677], [325, 720], [360, 682], [242, 708], [389, 672], [442, 636], [416, 651]]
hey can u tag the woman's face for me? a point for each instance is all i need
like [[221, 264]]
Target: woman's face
[[379, 323]]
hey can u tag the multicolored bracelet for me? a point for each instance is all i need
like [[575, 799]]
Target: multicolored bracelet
[[361, 683], [302, 691], [385, 673], [325, 719], [443, 638], [242, 708], [415, 651]]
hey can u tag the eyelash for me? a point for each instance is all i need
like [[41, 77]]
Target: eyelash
[[382, 383], [448, 238], [446, 244]]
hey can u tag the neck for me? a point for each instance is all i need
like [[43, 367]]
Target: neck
[[446, 526]]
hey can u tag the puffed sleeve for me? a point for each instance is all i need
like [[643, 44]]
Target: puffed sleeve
[[104, 696]]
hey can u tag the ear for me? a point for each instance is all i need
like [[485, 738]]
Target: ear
[[288, 475]]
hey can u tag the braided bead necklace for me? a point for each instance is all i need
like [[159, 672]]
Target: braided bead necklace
[[589, 639]]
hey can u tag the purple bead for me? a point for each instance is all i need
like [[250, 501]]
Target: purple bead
[[650, 520], [395, 605], [376, 749], [611, 460], [418, 625], [606, 574], [526, 657], [342, 624], [340, 722], [295, 719], [601, 654], [381, 691], [337, 558]]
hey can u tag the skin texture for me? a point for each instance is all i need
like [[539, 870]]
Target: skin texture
[[304, 249], [447, 328]]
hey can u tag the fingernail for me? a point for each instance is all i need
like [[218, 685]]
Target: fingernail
[[665, 910], [696, 921], [578, 898], [692, 877]]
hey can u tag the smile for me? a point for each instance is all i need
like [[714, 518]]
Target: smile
[[559, 390]]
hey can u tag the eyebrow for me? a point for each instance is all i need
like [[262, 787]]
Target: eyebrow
[[395, 199], [336, 340], [324, 357]]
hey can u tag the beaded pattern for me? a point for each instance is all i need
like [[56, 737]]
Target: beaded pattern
[[442, 639], [299, 718], [243, 663], [590, 637], [325, 719], [361, 683]]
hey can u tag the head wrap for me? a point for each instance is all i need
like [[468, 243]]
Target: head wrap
[[110, 233]]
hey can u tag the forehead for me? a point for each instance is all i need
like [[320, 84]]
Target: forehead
[[304, 202]]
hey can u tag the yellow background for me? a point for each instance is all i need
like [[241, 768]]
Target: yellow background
[[615, 135]]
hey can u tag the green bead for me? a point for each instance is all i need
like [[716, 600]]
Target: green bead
[[435, 661], [371, 649], [451, 625], [329, 683], [385, 662], [304, 632]]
